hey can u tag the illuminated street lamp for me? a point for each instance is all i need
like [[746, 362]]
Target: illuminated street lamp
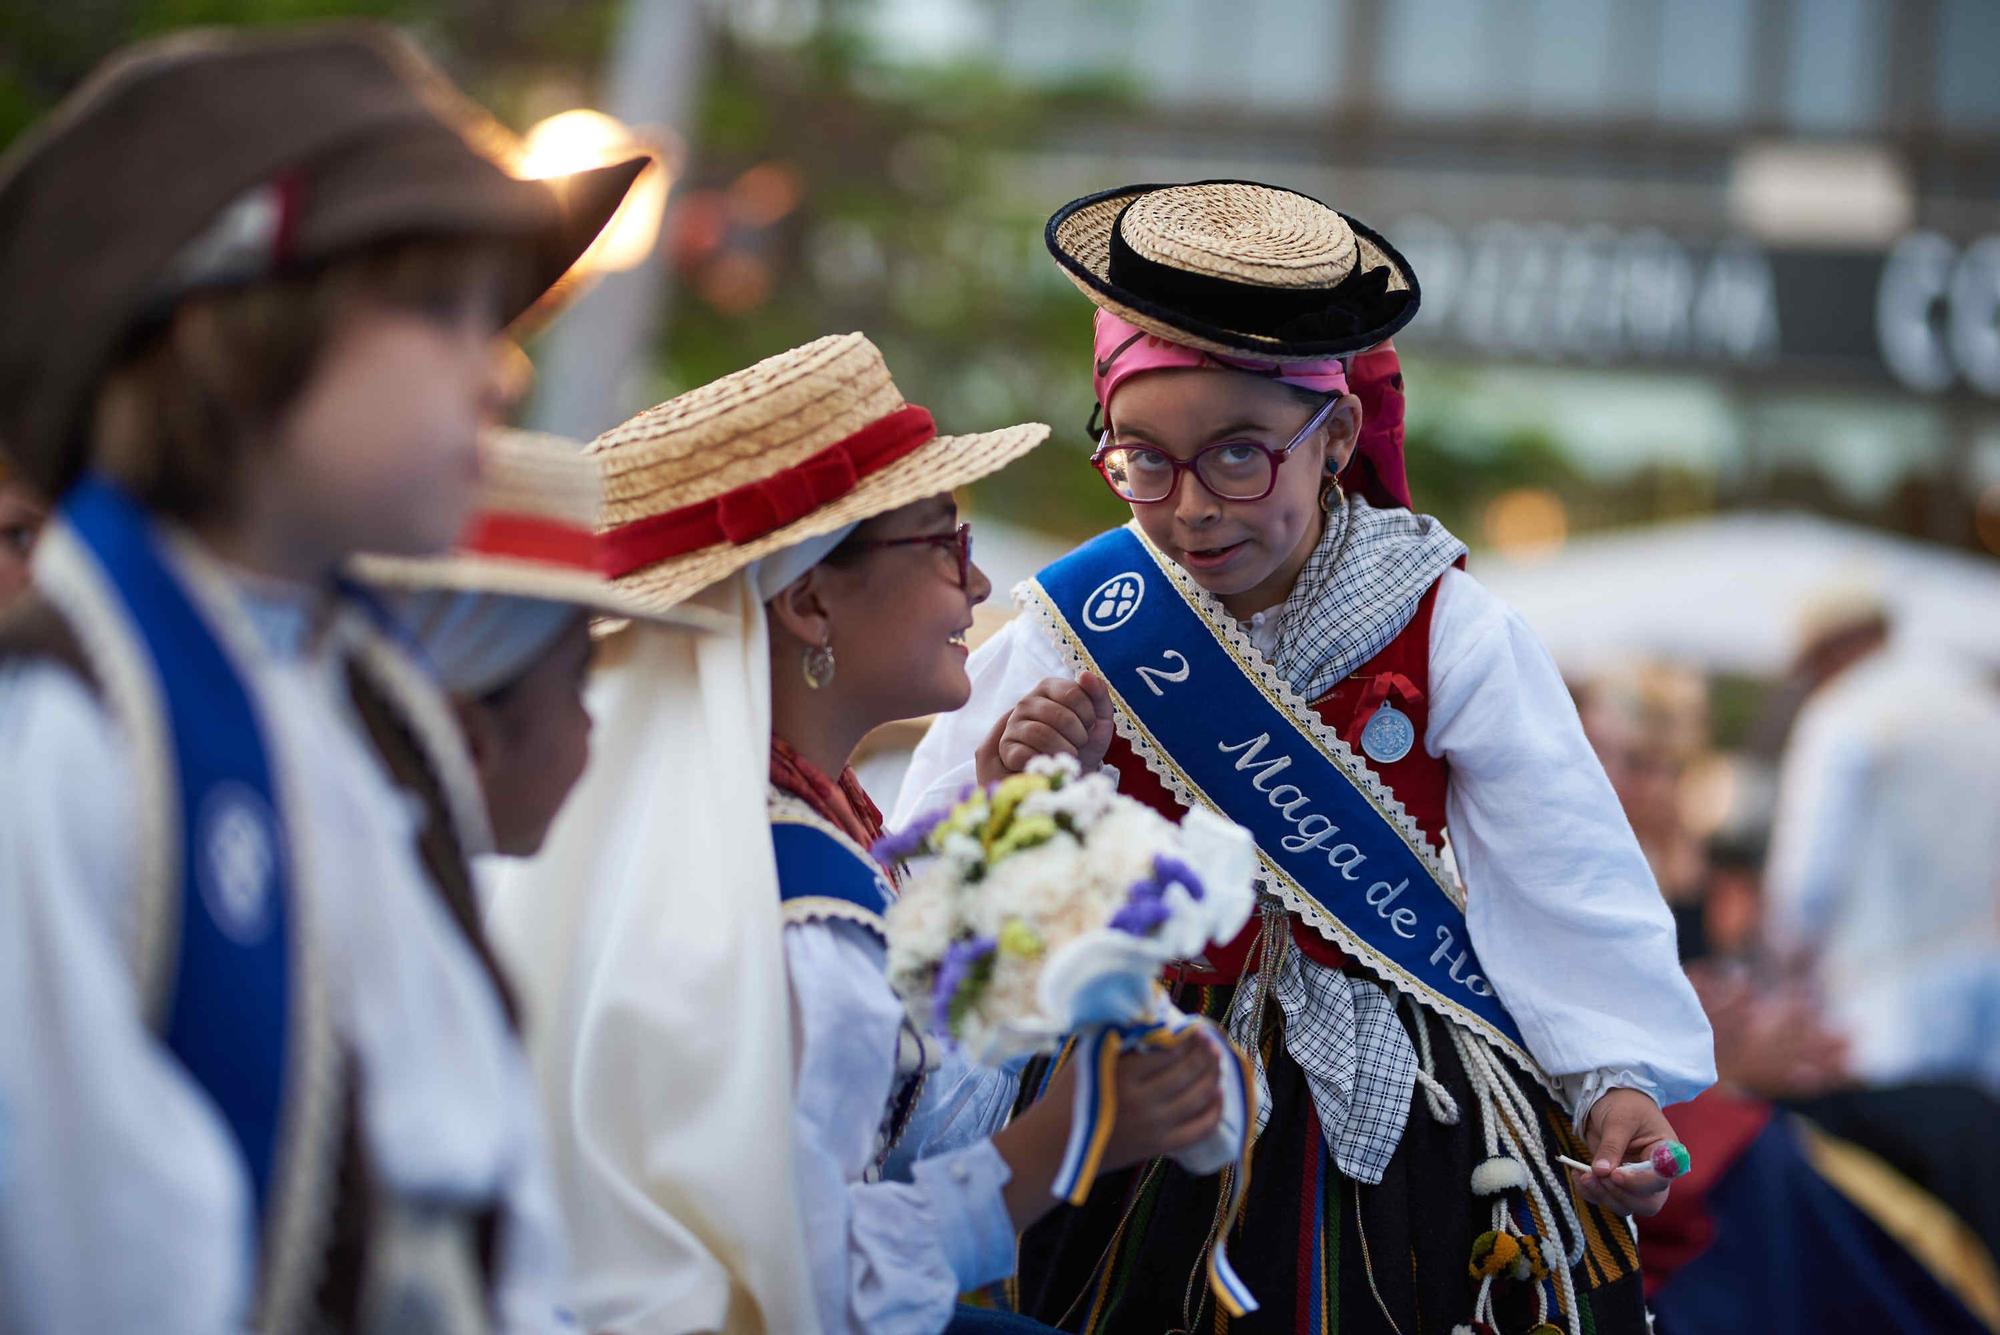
[[573, 141]]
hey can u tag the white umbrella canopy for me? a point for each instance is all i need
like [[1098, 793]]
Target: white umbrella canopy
[[1726, 593]]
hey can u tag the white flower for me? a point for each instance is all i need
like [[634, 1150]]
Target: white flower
[[1063, 893], [920, 925], [962, 855], [1065, 766], [1224, 856]]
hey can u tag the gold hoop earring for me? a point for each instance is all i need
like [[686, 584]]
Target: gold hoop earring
[[818, 664], [1330, 494]]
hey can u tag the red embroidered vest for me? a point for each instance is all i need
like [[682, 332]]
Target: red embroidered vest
[[1399, 673]]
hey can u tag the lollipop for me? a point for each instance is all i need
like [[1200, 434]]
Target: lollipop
[[1669, 1160]]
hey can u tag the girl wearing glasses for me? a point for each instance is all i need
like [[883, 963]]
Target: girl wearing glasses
[[1463, 970], [808, 507]]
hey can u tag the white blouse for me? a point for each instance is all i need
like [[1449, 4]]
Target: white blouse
[[1562, 909], [887, 1256], [124, 1204]]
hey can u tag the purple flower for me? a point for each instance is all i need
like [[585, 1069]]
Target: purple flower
[[896, 845], [1140, 916], [961, 960], [1172, 871]]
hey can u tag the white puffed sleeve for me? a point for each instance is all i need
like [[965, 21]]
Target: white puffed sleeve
[[1561, 905]]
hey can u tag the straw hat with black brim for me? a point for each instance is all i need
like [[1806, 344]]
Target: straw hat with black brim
[[533, 534], [219, 157], [798, 446], [1235, 268]]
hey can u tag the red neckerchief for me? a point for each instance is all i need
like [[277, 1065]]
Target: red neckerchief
[[844, 802]]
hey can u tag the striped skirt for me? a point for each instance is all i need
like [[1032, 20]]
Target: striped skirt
[[1321, 1252]]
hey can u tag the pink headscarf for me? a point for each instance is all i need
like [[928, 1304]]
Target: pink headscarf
[[1376, 471]]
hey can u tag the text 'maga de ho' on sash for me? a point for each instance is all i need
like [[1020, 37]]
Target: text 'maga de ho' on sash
[[1222, 730]]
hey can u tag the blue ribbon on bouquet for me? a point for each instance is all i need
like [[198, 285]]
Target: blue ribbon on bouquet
[[1096, 1111]]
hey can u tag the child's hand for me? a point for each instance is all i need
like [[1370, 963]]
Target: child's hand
[[1059, 717], [1168, 1099], [1623, 1127]]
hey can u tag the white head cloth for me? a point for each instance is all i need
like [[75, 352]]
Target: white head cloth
[[480, 641], [772, 575], [648, 947]]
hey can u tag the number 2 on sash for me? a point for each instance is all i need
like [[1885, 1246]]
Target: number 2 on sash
[[1152, 676]]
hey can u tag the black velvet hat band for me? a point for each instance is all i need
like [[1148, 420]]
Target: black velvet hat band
[[1362, 300]]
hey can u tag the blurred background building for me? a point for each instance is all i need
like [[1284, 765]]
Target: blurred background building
[[1679, 256]]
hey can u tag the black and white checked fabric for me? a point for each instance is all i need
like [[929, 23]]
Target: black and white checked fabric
[[1358, 590], [1357, 1059]]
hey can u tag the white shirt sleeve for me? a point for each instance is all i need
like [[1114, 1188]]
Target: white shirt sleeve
[[1003, 669], [962, 1102], [886, 1257], [123, 1202], [1560, 903]]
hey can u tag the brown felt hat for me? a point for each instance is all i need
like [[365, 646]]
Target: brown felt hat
[[216, 157]]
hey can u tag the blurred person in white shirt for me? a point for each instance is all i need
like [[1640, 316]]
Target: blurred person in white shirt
[[1884, 881]]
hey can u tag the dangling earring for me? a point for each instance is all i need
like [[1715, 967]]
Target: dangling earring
[[1330, 494], [818, 664]]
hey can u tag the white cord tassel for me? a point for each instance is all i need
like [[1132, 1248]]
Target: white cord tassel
[[1503, 1108]]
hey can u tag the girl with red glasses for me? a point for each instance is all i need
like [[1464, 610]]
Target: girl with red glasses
[[1279, 635]]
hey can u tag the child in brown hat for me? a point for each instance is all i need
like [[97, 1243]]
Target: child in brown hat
[[261, 1072]]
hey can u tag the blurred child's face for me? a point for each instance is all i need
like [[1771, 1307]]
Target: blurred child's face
[[379, 452], [531, 740], [1247, 553], [21, 517]]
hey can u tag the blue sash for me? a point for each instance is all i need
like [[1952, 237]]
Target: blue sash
[[1223, 730], [823, 876], [229, 998]]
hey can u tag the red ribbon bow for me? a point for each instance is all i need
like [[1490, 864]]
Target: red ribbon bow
[[751, 511], [1380, 687], [754, 510]]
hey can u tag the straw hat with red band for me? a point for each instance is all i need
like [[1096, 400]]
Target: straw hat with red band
[[1235, 268], [533, 534], [797, 446]]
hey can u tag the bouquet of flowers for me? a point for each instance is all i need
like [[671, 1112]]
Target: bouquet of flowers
[[1050, 904], [1048, 908]]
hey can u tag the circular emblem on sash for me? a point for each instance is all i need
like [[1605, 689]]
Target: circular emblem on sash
[[1388, 736], [236, 861], [1112, 603]]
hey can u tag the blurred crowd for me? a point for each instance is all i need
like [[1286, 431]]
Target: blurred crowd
[[1833, 865]]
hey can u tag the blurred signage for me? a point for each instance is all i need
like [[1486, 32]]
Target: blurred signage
[[1924, 314]]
